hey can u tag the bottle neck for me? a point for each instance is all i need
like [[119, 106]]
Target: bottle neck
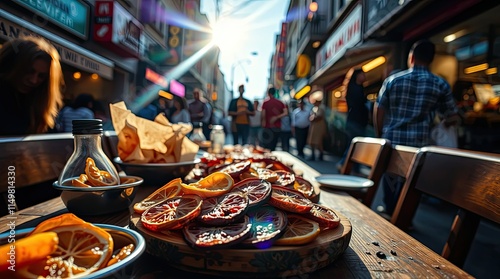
[[89, 140]]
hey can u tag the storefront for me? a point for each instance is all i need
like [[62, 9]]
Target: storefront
[[466, 35], [341, 52], [79, 65]]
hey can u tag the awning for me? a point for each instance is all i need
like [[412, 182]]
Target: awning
[[355, 56], [70, 53]]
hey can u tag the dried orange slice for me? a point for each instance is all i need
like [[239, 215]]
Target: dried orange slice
[[83, 248], [172, 214], [290, 200], [268, 174], [223, 210], [81, 181], [97, 177], [215, 184], [30, 249], [124, 252], [326, 217], [303, 186], [299, 231], [171, 189]]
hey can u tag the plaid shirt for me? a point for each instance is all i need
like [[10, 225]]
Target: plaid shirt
[[410, 100]]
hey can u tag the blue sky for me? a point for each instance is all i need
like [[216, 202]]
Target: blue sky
[[258, 22]]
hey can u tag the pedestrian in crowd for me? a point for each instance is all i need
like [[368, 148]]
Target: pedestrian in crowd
[[357, 111], [201, 111], [181, 114], [318, 128], [300, 126], [150, 111], [31, 80], [255, 124], [81, 108], [405, 109], [272, 112], [286, 131], [240, 109]]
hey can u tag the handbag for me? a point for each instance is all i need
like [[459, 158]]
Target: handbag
[[445, 136]]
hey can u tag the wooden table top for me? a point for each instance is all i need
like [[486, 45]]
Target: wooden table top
[[405, 257]]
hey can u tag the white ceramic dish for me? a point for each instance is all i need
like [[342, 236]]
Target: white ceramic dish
[[344, 182]]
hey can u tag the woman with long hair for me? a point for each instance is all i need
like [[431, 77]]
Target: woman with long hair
[[31, 80], [181, 113]]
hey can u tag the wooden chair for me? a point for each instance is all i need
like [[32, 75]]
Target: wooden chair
[[372, 153], [36, 162], [467, 179]]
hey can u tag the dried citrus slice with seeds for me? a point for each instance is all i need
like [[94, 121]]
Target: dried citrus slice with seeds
[[124, 252], [257, 190], [171, 189], [268, 224], [82, 249], [172, 214], [326, 217], [299, 231], [222, 210], [215, 184], [290, 200], [217, 237], [30, 249]]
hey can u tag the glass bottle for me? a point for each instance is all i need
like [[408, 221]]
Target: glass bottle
[[218, 138], [87, 135], [197, 136]]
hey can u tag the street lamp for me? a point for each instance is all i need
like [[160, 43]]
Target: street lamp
[[235, 64]]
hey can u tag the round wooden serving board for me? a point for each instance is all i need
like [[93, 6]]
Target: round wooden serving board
[[276, 261]]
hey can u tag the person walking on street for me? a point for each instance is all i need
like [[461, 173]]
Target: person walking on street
[[240, 109], [201, 111], [405, 109], [318, 128], [300, 126], [286, 132], [255, 125], [181, 114], [31, 80], [272, 112], [357, 111]]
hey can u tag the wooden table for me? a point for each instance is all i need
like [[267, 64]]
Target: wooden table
[[370, 234]]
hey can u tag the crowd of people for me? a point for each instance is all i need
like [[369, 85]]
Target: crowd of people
[[31, 102]]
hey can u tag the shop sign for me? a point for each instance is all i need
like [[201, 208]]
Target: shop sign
[[72, 15], [280, 62], [116, 27], [379, 11], [10, 30], [347, 35], [156, 78]]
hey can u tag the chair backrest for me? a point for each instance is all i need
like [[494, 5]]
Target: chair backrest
[[370, 152], [467, 179], [35, 161]]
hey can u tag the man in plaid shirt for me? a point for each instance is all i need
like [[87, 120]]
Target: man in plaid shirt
[[406, 105]]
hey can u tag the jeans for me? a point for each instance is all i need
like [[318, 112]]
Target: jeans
[[254, 135], [270, 138], [241, 135], [301, 138]]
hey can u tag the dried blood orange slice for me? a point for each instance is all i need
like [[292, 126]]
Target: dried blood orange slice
[[172, 214], [299, 231], [171, 189], [257, 190], [290, 200], [268, 175], [326, 217], [285, 178], [268, 224], [304, 186], [200, 237], [215, 184], [218, 211], [273, 164], [236, 169]]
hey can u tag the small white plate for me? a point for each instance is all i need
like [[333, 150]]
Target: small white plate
[[344, 182]]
